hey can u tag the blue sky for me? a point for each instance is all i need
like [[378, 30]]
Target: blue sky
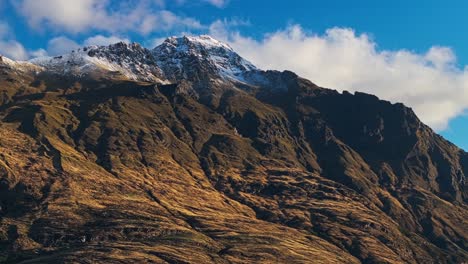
[[409, 51]]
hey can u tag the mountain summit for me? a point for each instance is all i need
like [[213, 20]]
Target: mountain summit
[[176, 58], [180, 57], [187, 153]]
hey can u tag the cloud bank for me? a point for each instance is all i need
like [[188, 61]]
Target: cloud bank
[[431, 82]]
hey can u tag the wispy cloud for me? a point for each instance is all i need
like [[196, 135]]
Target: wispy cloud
[[144, 16], [101, 40], [9, 46], [166, 21], [218, 3], [13, 49], [62, 44], [430, 82]]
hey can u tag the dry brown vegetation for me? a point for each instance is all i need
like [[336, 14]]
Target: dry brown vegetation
[[120, 172]]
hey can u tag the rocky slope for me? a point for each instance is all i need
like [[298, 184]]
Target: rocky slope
[[189, 154]]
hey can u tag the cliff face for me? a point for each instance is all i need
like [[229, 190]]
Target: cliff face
[[199, 170]]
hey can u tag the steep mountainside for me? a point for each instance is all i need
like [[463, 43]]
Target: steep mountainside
[[189, 154]]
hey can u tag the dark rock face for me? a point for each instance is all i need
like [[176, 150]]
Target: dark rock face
[[273, 170]]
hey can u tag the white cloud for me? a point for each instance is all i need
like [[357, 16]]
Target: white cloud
[[430, 82], [70, 15], [101, 40], [38, 53], [9, 46], [217, 3], [61, 45], [165, 21], [144, 16], [13, 50]]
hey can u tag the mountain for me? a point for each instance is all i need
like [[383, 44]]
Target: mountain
[[188, 153]]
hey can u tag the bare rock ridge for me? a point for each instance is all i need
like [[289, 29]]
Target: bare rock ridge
[[188, 153]]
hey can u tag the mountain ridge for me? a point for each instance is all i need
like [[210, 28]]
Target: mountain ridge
[[156, 65], [204, 167]]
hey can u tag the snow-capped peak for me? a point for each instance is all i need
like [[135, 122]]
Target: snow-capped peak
[[22, 66], [130, 60], [202, 41], [193, 57]]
